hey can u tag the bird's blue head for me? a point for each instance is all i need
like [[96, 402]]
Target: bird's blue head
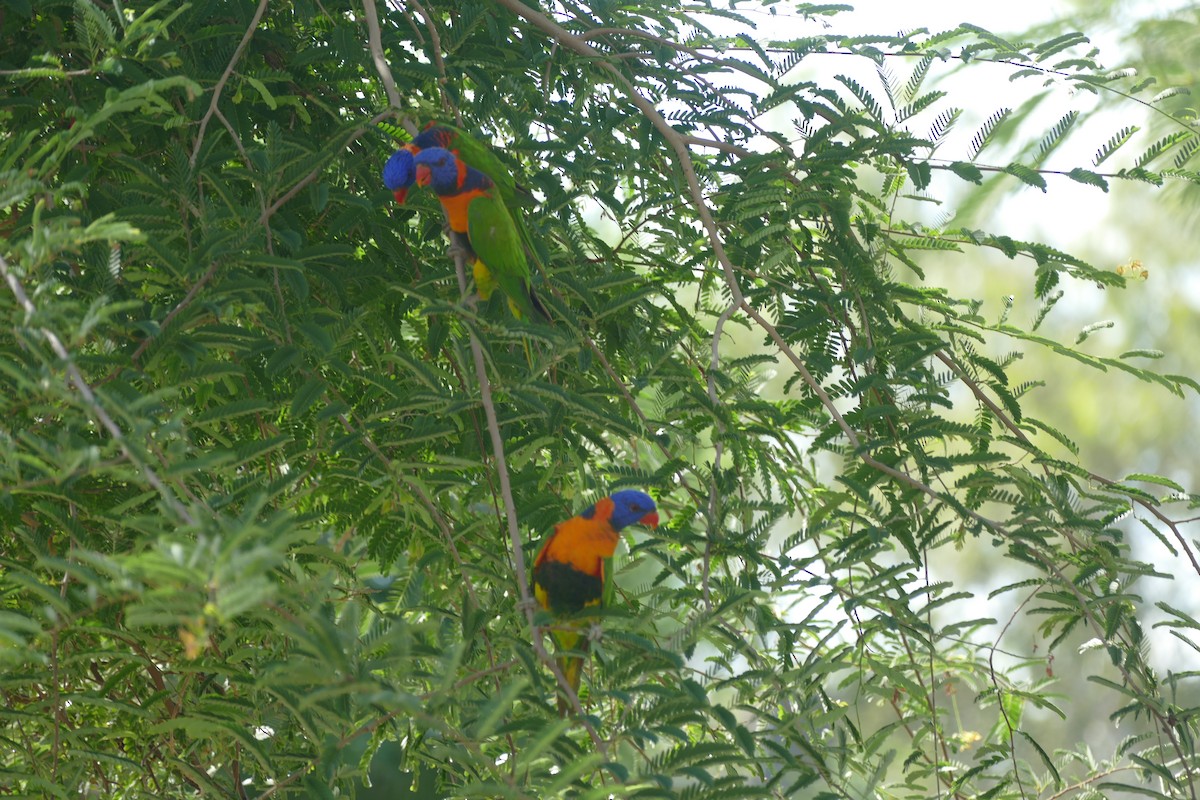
[[631, 506], [439, 168], [398, 172]]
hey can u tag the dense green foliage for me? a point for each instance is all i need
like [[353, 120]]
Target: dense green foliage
[[252, 522]]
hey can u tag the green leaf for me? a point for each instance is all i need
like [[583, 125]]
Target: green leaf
[[1081, 175], [966, 171], [1027, 175], [261, 88], [1114, 144], [1155, 479]]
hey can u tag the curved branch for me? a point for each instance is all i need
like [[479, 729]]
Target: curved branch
[[678, 143]]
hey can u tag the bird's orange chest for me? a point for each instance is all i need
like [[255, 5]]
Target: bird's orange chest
[[457, 206], [584, 544]]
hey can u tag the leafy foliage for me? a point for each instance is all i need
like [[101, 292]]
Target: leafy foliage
[[254, 531]]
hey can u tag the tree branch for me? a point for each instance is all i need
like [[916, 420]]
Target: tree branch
[[527, 602], [375, 45], [89, 398], [217, 89], [678, 143]]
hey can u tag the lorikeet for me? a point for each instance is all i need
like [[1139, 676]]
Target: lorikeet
[[400, 171], [569, 572], [475, 208]]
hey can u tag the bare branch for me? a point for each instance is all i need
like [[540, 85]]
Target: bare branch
[[375, 45]]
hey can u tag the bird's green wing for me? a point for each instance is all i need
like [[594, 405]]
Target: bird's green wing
[[478, 155], [495, 239]]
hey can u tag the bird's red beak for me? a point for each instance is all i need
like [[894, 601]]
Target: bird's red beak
[[650, 520], [423, 175], [401, 194]]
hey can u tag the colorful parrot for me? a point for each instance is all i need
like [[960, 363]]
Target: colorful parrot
[[475, 209], [570, 574], [400, 172]]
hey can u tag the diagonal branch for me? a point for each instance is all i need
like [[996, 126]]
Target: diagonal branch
[[1016, 431], [310, 177], [89, 398], [527, 603], [679, 144], [174, 312]]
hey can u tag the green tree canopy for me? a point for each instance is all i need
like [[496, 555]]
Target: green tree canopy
[[271, 484]]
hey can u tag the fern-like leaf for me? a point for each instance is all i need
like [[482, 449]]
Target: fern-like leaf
[[919, 73], [1058, 44], [1026, 175], [943, 123], [872, 106], [1113, 144], [1054, 137], [1163, 145], [1081, 175], [984, 135]]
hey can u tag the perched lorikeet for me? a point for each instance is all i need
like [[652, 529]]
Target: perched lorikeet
[[475, 208], [569, 573], [400, 172]]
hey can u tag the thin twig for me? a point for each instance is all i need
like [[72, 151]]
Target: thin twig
[[1074, 787], [435, 49], [999, 414], [724, 147], [93, 404], [310, 177], [173, 313], [718, 450], [1012, 740], [216, 96]]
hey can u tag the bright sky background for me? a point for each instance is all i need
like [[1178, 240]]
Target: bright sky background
[[1001, 17]]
